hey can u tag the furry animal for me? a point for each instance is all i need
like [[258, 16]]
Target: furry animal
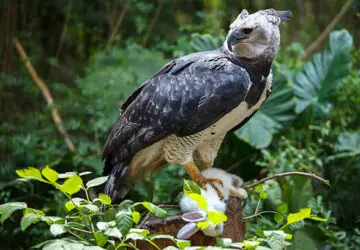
[[192, 213]]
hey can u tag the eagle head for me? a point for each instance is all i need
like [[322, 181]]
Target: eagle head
[[257, 35]]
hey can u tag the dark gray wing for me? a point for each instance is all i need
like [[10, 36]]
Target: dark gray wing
[[187, 95]]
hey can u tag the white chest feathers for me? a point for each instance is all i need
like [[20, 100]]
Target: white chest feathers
[[241, 112]]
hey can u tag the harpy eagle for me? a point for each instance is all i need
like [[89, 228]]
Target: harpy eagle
[[184, 111]]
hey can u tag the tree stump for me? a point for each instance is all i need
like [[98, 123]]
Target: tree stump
[[235, 228]]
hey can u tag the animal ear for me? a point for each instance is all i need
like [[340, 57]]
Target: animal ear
[[187, 231], [194, 216]]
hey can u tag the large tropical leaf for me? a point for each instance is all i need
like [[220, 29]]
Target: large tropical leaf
[[316, 82], [274, 114]]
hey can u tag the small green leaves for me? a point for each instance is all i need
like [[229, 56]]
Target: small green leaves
[[96, 182], [69, 205], [72, 185], [58, 229], [100, 238], [29, 219], [279, 218], [50, 174], [7, 209], [30, 173], [135, 217], [263, 195], [191, 187], [104, 199], [282, 208], [154, 209], [200, 200], [224, 242], [216, 217], [259, 188], [304, 213], [124, 222], [182, 244]]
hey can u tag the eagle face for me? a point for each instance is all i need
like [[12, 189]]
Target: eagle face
[[256, 35]]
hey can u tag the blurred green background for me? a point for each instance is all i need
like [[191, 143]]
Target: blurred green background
[[92, 54]]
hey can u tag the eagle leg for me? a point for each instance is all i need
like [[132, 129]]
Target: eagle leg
[[203, 164], [197, 177]]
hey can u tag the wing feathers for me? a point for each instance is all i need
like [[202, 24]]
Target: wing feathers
[[186, 96]]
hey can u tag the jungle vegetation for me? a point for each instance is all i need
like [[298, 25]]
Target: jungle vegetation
[[91, 55]]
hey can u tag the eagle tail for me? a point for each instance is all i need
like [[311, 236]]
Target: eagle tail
[[116, 186]]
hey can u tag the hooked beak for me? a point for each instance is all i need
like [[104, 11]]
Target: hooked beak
[[235, 37]]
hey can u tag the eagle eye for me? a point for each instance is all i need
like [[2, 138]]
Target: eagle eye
[[247, 31]]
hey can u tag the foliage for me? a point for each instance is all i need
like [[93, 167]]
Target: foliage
[[95, 223], [316, 130]]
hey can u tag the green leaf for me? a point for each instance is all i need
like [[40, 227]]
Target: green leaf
[[191, 187], [250, 244], [154, 209], [303, 214], [29, 219], [133, 236], [7, 209], [200, 200], [105, 199], [263, 195], [286, 236], [69, 205], [259, 188], [282, 208], [124, 222], [143, 232], [223, 242], [182, 244], [278, 218], [33, 211], [348, 142], [58, 229], [96, 182], [317, 81], [276, 239], [91, 207], [135, 217], [162, 236], [273, 116], [30, 173], [203, 224], [85, 173], [216, 217], [50, 174], [72, 185], [100, 238], [66, 175]]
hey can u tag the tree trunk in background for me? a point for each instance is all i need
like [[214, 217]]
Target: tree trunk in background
[[235, 228]]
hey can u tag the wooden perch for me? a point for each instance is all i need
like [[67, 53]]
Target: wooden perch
[[47, 95], [235, 228]]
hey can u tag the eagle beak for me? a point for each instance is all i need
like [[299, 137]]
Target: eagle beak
[[235, 37]]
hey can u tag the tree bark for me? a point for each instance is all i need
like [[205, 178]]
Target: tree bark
[[235, 228]]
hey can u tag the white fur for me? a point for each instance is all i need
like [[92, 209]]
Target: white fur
[[214, 202]]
